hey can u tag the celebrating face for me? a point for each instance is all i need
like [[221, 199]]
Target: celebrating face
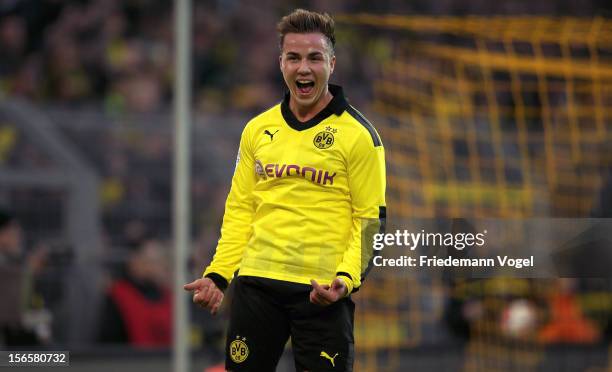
[[306, 62]]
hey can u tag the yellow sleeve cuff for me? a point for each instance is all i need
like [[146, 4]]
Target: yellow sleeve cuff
[[348, 282]]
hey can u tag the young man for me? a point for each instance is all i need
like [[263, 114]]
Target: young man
[[309, 184]]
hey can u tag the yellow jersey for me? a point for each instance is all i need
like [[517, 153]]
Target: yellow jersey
[[303, 195]]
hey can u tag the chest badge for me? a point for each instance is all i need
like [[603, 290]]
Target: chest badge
[[324, 139]]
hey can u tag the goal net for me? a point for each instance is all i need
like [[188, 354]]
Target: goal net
[[482, 117]]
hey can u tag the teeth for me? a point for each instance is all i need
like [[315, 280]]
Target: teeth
[[304, 84]]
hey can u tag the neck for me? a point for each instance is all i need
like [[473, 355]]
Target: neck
[[305, 113]]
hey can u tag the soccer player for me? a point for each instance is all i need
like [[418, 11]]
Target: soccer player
[[309, 185]]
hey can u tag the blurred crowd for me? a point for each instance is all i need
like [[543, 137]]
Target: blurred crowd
[[119, 53], [133, 162]]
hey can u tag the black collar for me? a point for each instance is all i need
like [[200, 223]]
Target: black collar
[[336, 106]]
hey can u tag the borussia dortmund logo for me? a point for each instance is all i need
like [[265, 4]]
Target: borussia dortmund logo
[[323, 140], [239, 350]]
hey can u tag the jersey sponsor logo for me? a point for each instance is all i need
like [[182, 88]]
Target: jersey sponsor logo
[[238, 350], [259, 169], [323, 140], [319, 176], [326, 356], [267, 132]]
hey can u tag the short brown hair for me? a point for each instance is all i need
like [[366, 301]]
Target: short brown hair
[[302, 21]]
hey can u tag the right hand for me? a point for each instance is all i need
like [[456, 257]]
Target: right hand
[[324, 295], [206, 294]]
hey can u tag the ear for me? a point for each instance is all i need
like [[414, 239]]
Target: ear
[[280, 61], [332, 64]]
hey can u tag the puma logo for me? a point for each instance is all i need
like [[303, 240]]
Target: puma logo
[[326, 356], [270, 134]]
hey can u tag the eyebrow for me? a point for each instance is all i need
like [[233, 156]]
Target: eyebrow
[[311, 54]]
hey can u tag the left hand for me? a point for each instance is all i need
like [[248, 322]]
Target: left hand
[[324, 295], [37, 259]]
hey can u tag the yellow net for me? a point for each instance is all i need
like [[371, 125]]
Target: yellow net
[[505, 117], [498, 116]]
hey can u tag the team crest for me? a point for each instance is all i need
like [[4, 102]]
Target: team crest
[[323, 140], [239, 350]]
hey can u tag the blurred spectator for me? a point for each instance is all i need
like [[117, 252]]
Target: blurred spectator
[[460, 315], [12, 44], [567, 323], [138, 305], [602, 208], [10, 239], [519, 319], [23, 318]]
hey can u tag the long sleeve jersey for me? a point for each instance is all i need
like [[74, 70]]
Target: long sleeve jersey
[[304, 196]]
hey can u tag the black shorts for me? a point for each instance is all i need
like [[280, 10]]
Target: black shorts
[[265, 312]]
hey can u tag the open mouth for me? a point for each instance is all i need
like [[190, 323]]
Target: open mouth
[[305, 86]]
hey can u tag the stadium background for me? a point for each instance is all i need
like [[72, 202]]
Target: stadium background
[[486, 109]]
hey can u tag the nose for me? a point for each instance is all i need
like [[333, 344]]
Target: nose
[[304, 67]]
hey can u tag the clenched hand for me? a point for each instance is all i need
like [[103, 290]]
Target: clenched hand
[[206, 294], [326, 295]]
